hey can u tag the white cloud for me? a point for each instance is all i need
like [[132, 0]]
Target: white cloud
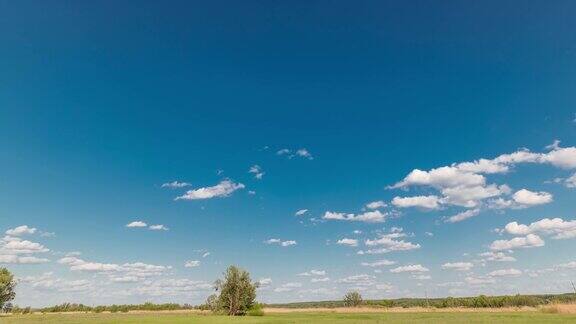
[[359, 280], [444, 177], [570, 181], [288, 287], [158, 227], [530, 198], [15, 259], [192, 264], [379, 263], [348, 241], [304, 153], [175, 184], [325, 279], [529, 241], [137, 224], [15, 245], [301, 212], [368, 217], [505, 273], [497, 256], [224, 189], [313, 273], [280, 242], [376, 204], [389, 242], [462, 216], [557, 227], [412, 268], [426, 202], [20, 230], [256, 170], [458, 266], [264, 282]]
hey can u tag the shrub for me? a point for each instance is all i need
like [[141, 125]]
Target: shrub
[[255, 310], [353, 299]]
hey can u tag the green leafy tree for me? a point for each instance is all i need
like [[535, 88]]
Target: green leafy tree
[[353, 299], [237, 291], [7, 285]]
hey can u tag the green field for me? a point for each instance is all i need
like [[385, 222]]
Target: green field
[[515, 317]]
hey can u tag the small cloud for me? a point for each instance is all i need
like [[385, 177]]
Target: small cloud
[[256, 170], [301, 212], [304, 153], [376, 204], [21, 230], [175, 184], [158, 227], [137, 224], [348, 242], [280, 242], [224, 189], [192, 264]]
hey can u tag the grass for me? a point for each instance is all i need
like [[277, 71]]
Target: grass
[[431, 317]]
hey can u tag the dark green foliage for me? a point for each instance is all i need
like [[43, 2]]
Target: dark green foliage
[[467, 302], [70, 307]]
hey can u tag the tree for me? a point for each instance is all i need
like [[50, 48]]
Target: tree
[[237, 291], [7, 285], [352, 299]]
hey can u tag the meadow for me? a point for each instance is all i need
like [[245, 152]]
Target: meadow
[[306, 316]]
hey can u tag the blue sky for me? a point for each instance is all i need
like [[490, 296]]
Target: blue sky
[[335, 103]]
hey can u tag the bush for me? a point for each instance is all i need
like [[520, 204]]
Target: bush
[[255, 310], [353, 299]]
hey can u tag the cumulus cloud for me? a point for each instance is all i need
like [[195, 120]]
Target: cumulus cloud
[[497, 256], [376, 204], [14, 245], [256, 170], [224, 189], [464, 184], [458, 266], [557, 227], [15, 259], [21, 230], [136, 271], [375, 216], [175, 184], [412, 268], [529, 198], [137, 224], [529, 241], [426, 202], [389, 242], [348, 241]]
